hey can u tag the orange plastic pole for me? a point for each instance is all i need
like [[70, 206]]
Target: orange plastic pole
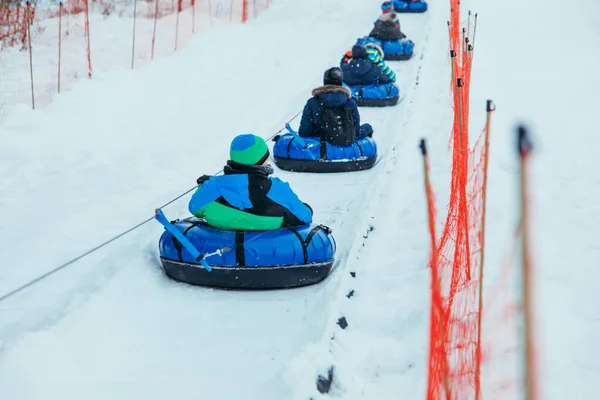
[[464, 145], [436, 329], [245, 11]]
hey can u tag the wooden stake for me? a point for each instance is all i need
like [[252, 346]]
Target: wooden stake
[[193, 16], [133, 41], [490, 108], [60, 10], [29, 21], [474, 33], [524, 148], [154, 30], [177, 23], [87, 31], [469, 25]]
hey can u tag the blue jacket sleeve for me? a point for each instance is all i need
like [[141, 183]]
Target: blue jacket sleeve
[[205, 194], [383, 77], [282, 193], [307, 121]]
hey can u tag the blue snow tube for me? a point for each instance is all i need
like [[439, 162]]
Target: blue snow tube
[[376, 95], [393, 50], [408, 6], [316, 155], [278, 259]]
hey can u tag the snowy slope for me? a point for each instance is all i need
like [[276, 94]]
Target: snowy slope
[[113, 324], [520, 63]]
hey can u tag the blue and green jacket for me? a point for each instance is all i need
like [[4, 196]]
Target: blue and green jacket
[[375, 55], [245, 198]]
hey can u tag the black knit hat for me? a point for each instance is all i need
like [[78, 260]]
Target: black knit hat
[[333, 76], [359, 51]]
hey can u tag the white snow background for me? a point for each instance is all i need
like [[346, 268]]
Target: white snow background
[[101, 157]]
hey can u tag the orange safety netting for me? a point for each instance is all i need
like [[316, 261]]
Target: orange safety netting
[[472, 340], [13, 25], [71, 39], [456, 260]]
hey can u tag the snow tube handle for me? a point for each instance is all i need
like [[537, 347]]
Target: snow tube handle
[[200, 258], [299, 140]]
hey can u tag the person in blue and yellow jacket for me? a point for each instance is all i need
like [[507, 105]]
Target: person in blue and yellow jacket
[[245, 197], [366, 66]]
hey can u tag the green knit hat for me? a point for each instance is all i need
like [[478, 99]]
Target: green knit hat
[[248, 149]]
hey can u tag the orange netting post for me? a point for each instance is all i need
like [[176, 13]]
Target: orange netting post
[[244, 10], [438, 363], [524, 149]]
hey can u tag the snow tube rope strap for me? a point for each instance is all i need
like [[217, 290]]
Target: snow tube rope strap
[[240, 254]]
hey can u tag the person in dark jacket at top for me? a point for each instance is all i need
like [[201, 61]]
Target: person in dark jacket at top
[[387, 26], [367, 67], [332, 95], [245, 197]]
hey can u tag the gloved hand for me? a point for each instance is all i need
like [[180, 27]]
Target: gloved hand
[[366, 130], [202, 179]]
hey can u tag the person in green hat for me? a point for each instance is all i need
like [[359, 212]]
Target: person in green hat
[[245, 197]]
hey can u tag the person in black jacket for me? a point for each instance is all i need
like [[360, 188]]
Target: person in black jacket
[[367, 67], [387, 26], [332, 100]]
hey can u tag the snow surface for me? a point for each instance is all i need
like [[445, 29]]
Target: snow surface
[[112, 326]]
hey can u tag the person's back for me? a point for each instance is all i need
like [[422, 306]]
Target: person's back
[[375, 54], [387, 27], [366, 67], [245, 197], [331, 114]]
